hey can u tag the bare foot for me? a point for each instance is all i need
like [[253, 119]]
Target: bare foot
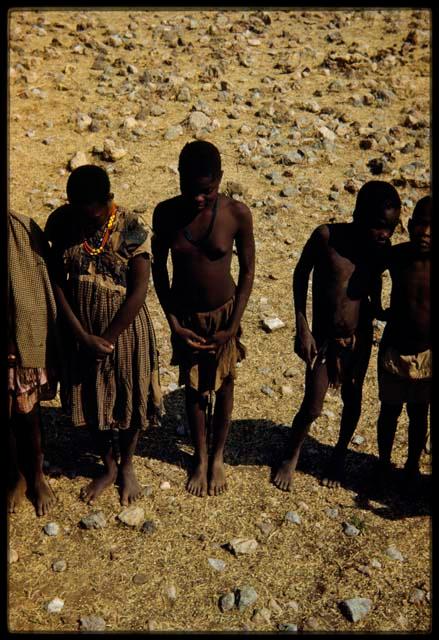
[[16, 494], [284, 476], [96, 487], [197, 484], [44, 498], [218, 483], [334, 474], [130, 489]]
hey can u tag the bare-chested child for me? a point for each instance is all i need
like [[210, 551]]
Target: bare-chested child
[[33, 355], [346, 259], [203, 305], [404, 358], [100, 265]]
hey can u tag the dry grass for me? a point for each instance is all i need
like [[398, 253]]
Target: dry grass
[[314, 563]]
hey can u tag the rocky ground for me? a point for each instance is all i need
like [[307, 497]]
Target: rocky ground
[[305, 106]]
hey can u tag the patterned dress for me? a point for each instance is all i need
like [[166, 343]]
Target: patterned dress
[[122, 390]]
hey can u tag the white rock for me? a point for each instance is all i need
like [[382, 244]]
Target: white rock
[[165, 485], [78, 160], [327, 134], [55, 606], [171, 591], [12, 556], [293, 517], [218, 565], [51, 529], [273, 323], [198, 120], [132, 516], [243, 545], [356, 609], [394, 553]]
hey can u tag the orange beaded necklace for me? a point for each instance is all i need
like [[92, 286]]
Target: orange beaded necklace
[[96, 250]]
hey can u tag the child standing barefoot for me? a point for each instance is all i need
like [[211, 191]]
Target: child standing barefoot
[[101, 266], [346, 260], [404, 359], [32, 360]]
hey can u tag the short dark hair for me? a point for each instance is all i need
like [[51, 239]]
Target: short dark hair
[[88, 184], [422, 210], [373, 197], [200, 158]]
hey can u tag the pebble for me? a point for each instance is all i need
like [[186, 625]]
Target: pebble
[[173, 132], [95, 520], [246, 596], [275, 607], [356, 609], [78, 160], [265, 527], [288, 627], [165, 485], [132, 516], [91, 623], [332, 512], [198, 120], [218, 565], [268, 391], [394, 553], [261, 616], [227, 601], [149, 527], [59, 566], [350, 530], [417, 596], [376, 564], [51, 529], [240, 546], [12, 556], [171, 591], [140, 578], [293, 517], [271, 324], [111, 152], [55, 606], [357, 440], [147, 490]]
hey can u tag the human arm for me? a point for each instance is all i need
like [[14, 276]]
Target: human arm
[[245, 247], [160, 251], [305, 345]]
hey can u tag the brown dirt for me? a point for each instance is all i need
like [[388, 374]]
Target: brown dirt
[[314, 563]]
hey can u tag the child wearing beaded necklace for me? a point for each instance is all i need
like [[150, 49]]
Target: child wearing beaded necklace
[[100, 262]]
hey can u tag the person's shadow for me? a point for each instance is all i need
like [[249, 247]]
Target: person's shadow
[[71, 452]]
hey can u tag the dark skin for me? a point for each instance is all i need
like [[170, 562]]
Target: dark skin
[[201, 281], [408, 329], [90, 218], [346, 265]]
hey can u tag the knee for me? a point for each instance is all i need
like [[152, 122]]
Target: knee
[[310, 413]]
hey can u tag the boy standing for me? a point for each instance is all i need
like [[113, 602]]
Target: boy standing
[[346, 259], [404, 359], [203, 305]]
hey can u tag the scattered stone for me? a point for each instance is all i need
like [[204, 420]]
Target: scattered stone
[[198, 120], [290, 372], [91, 623], [171, 592], [271, 324], [140, 578], [240, 546], [55, 606], [111, 152], [293, 517], [261, 616], [78, 160], [286, 390], [12, 556], [394, 553], [218, 565], [147, 490], [227, 602], [356, 609], [95, 520], [275, 607], [149, 527], [245, 597], [376, 564], [59, 566], [357, 440], [265, 527], [350, 530], [51, 529], [288, 627], [417, 596], [332, 512], [83, 122], [173, 132], [165, 485], [268, 391], [132, 516]]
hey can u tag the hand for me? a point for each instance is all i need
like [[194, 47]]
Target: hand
[[99, 346], [221, 337], [305, 346], [192, 340]]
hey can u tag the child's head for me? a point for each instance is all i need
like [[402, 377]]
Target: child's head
[[377, 210], [419, 225], [88, 188], [200, 171]]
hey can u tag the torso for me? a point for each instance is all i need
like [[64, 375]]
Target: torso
[[201, 279], [408, 326]]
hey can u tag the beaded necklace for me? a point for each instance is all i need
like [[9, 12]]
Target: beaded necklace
[[100, 238]]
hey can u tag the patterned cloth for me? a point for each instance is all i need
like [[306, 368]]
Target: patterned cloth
[[32, 307], [205, 371], [123, 389]]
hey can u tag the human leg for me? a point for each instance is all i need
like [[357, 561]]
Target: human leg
[[221, 425], [195, 409], [104, 444], [418, 426], [386, 429], [16, 479], [130, 489], [316, 386]]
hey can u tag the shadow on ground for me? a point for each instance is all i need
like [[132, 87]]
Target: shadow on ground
[[71, 452]]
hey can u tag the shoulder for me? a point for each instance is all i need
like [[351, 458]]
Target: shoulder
[[132, 226], [321, 233], [58, 222], [164, 214], [239, 210]]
